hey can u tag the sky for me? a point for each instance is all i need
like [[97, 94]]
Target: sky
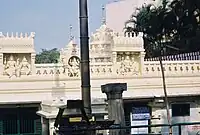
[[49, 19]]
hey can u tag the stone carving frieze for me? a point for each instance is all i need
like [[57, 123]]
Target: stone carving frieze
[[103, 34], [73, 67], [127, 65], [16, 67]]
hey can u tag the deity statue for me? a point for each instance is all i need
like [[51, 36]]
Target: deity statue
[[128, 65], [74, 66], [25, 66], [135, 66], [122, 66], [10, 67], [125, 65]]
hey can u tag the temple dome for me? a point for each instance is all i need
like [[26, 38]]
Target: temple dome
[[101, 44], [103, 35]]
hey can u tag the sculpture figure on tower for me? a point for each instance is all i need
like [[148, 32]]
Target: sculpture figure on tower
[[10, 68], [25, 66], [135, 66], [74, 68], [127, 64], [121, 69]]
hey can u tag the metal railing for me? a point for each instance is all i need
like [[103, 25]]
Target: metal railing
[[178, 57], [157, 129]]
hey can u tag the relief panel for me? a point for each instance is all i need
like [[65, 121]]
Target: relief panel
[[16, 65], [128, 63]]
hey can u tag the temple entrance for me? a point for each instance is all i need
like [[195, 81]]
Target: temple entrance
[[20, 121]]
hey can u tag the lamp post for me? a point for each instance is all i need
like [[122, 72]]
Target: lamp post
[[85, 67]]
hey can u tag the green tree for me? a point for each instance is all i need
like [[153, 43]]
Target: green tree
[[187, 13], [175, 24], [48, 56], [150, 21]]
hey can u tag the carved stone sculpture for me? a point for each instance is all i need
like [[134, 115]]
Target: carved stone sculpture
[[25, 67], [74, 66], [16, 68], [122, 66], [127, 66], [32, 35], [135, 66], [10, 67]]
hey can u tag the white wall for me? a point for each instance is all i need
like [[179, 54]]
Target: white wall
[[194, 117], [117, 13], [38, 90]]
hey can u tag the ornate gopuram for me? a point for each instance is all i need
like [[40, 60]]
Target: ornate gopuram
[[28, 88], [17, 55]]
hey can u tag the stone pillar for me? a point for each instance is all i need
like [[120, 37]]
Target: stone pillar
[[45, 126], [142, 55], [33, 63], [1, 64], [48, 113], [51, 126], [115, 104], [114, 57]]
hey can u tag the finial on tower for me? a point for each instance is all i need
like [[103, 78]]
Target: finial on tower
[[103, 15], [70, 32]]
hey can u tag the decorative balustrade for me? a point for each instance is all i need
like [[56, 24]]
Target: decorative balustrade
[[17, 39], [17, 35], [52, 69], [150, 68], [49, 69], [17, 43], [172, 68], [184, 56]]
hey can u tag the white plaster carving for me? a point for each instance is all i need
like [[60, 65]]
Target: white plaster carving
[[32, 35], [135, 66], [106, 57], [25, 67], [110, 64], [16, 67], [127, 65], [74, 66], [10, 66]]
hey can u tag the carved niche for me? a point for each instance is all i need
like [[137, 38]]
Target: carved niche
[[74, 66], [128, 64], [17, 65]]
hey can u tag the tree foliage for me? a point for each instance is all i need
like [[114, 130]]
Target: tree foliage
[[48, 56], [175, 24]]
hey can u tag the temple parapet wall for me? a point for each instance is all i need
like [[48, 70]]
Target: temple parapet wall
[[150, 69], [112, 55], [17, 43], [172, 68]]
